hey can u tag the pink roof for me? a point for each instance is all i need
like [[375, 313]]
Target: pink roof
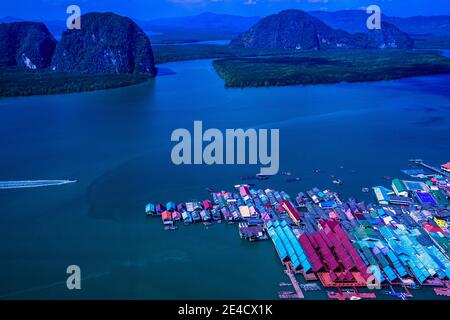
[[244, 191], [333, 215], [326, 253], [310, 252], [349, 215], [207, 204], [446, 166], [166, 215], [431, 228], [291, 210]]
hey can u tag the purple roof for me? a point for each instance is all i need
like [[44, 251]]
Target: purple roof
[[310, 252], [426, 198]]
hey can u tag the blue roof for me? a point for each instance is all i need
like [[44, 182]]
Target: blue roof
[[287, 244], [328, 204], [150, 208], [171, 205]]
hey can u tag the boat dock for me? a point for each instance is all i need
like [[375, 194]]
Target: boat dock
[[431, 168], [298, 291], [351, 295], [320, 236], [445, 291]]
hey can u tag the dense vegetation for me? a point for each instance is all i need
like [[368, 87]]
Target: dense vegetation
[[26, 44], [170, 53], [296, 29], [107, 43], [20, 82], [109, 51], [112, 51], [329, 67]]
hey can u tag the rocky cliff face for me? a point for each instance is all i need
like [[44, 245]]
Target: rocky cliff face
[[26, 44], [106, 43], [295, 29]]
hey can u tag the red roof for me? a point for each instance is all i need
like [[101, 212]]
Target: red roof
[[291, 210], [326, 253], [244, 191], [431, 228], [446, 166], [310, 252], [166, 215], [207, 204]]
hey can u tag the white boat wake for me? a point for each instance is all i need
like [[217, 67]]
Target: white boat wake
[[33, 183]]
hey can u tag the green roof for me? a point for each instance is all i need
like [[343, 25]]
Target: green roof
[[440, 197], [399, 185]]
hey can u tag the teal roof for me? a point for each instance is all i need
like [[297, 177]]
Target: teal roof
[[400, 186]]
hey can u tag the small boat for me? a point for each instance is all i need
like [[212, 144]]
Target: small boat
[[365, 190], [33, 183], [285, 284], [401, 295], [413, 286], [170, 228], [294, 179], [337, 181]]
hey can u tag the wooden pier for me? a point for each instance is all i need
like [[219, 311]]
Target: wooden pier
[[298, 291], [350, 295], [431, 168], [445, 291]]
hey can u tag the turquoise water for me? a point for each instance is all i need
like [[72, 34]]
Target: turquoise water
[[116, 143]]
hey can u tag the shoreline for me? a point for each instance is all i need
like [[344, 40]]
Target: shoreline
[[46, 83], [330, 67], [97, 82], [227, 87]]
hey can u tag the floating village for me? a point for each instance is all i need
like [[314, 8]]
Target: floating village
[[393, 247]]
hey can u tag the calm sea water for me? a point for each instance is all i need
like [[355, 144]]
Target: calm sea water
[[117, 144]]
